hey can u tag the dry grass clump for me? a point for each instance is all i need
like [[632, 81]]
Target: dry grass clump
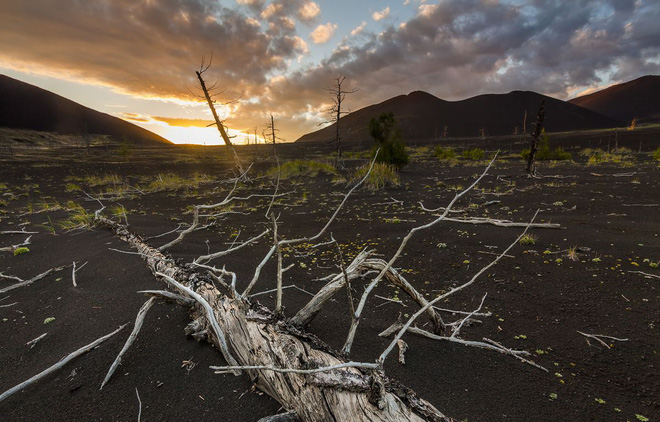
[[615, 156], [173, 181], [296, 168], [381, 176]]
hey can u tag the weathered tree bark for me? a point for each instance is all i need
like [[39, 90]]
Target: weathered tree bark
[[219, 125], [538, 128], [361, 265], [256, 337]]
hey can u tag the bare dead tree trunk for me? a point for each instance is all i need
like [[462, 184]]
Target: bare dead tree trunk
[[338, 96], [257, 339], [272, 128], [538, 128], [218, 123]]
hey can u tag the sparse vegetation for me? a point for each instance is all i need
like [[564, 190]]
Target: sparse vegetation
[[445, 153], [297, 168], [656, 154], [79, 218], [21, 250], [173, 181], [544, 152], [475, 154], [382, 175], [529, 239]]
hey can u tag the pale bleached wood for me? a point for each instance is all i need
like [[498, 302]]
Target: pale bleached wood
[[139, 320], [58, 365]]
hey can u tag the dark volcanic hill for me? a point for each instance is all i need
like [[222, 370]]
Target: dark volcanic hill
[[423, 116], [638, 98], [25, 106]]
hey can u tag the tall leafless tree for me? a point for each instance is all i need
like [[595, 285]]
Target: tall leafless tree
[[211, 103], [338, 95]]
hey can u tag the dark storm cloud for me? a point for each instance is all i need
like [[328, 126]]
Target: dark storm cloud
[[148, 47], [460, 49]]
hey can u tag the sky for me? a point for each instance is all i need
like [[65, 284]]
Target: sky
[[136, 59]]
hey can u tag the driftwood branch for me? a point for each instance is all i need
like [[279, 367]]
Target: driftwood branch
[[30, 281], [58, 365], [599, 338], [142, 313]]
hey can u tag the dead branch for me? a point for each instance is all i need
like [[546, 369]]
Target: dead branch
[[220, 335], [58, 365], [599, 338], [34, 342], [136, 329], [502, 223], [403, 347], [32, 280], [356, 320], [406, 326], [169, 296], [12, 248], [257, 271], [73, 272], [139, 405], [226, 369], [646, 275]]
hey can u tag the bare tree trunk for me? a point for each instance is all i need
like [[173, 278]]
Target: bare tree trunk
[[219, 125], [256, 337], [538, 128]]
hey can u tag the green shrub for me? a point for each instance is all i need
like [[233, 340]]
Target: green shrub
[[386, 133], [381, 175], [475, 154], [656, 154], [445, 153]]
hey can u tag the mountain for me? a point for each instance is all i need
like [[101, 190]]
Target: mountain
[[424, 116], [25, 106], [638, 98]]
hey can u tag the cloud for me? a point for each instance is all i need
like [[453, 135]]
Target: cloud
[[382, 14], [176, 121], [323, 33], [359, 28], [309, 11]]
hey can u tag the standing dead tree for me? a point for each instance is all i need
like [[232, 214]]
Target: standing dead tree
[[270, 133], [338, 94], [310, 380], [218, 123], [538, 129]]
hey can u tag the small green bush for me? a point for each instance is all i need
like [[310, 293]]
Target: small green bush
[[386, 133], [656, 154], [475, 154], [445, 153]]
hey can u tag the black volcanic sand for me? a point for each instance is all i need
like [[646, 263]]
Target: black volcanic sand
[[539, 298]]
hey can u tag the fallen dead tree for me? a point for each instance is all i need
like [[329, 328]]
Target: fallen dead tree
[[310, 380]]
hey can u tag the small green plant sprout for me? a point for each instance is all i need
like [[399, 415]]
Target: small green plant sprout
[[553, 396], [558, 204], [49, 320], [559, 260], [442, 245], [617, 410], [521, 337], [50, 227], [600, 401], [641, 418], [572, 254], [654, 264], [393, 220], [467, 261], [540, 352], [21, 250], [528, 239], [596, 259]]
